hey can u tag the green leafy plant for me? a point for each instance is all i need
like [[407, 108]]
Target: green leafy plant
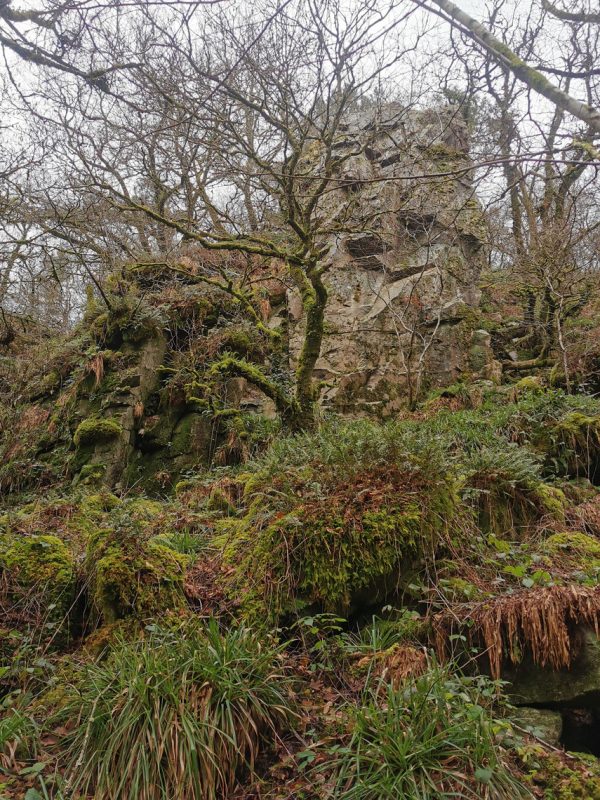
[[320, 636], [433, 737], [382, 634]]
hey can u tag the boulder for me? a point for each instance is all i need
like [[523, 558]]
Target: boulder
[[541, 722], [577, 687]]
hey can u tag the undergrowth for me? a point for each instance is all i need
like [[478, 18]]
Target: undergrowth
[[432, 737], [182, 714]]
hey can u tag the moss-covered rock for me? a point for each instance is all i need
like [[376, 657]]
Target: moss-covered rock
[[40, 570], [552, 500], [130, 575], [541, 722], [505, 506], [576, 546], [94, 430], [574, 443], [91, 474], [530, 383], [184, 486], [577, 687], [338, 547]]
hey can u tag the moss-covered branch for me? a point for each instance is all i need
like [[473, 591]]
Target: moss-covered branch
[[571, 16], [232, 366], [531, 77]]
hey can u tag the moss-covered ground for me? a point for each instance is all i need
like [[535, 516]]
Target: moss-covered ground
[[386, 569]]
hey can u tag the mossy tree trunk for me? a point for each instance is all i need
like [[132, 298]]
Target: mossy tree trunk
[[298, 407], [314, 302]]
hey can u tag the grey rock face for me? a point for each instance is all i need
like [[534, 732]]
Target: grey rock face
[[406, 236], [123, 405], [541, 722], [577, 687]]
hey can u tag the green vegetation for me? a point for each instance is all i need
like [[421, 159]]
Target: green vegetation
[[130, 575], [336, 544], [299, 437], [433, 737], [179, 715], [37, 571], [442, 529], [91, 431]]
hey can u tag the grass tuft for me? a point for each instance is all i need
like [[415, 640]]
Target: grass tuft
[[180, 714], [432, 737]]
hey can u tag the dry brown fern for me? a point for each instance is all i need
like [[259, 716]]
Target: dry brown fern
[[587, 515], [541, 622]]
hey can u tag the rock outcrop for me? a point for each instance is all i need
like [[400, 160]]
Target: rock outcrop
[[140, 400], [576, 687], [406, 252]]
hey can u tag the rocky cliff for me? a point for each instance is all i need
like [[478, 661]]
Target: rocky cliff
[[405, 260], [133, 397]]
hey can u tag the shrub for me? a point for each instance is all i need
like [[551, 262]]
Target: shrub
[[180, 715], [349, 448], [18, 733], [432, 737], [573, 444]]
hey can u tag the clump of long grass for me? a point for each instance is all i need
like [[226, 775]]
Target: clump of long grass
[[177, 715], [432, 737]]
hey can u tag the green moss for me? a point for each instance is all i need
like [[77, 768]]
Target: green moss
[[243, 342], [552, 500], [504, 481], [91, 474], [444, 151], [574, 543], [564, 780], [95, 430], [131, 576], [187, 485], [181, 442], [127, 320], [218, 501], [142, 509], [455, 390], [576, 423], [458, 589], [574, 443], [338, 551], [43, 563], [95, 503], [530, 383]]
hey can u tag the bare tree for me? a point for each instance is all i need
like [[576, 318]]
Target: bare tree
[[230, 139], [506, 57]]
